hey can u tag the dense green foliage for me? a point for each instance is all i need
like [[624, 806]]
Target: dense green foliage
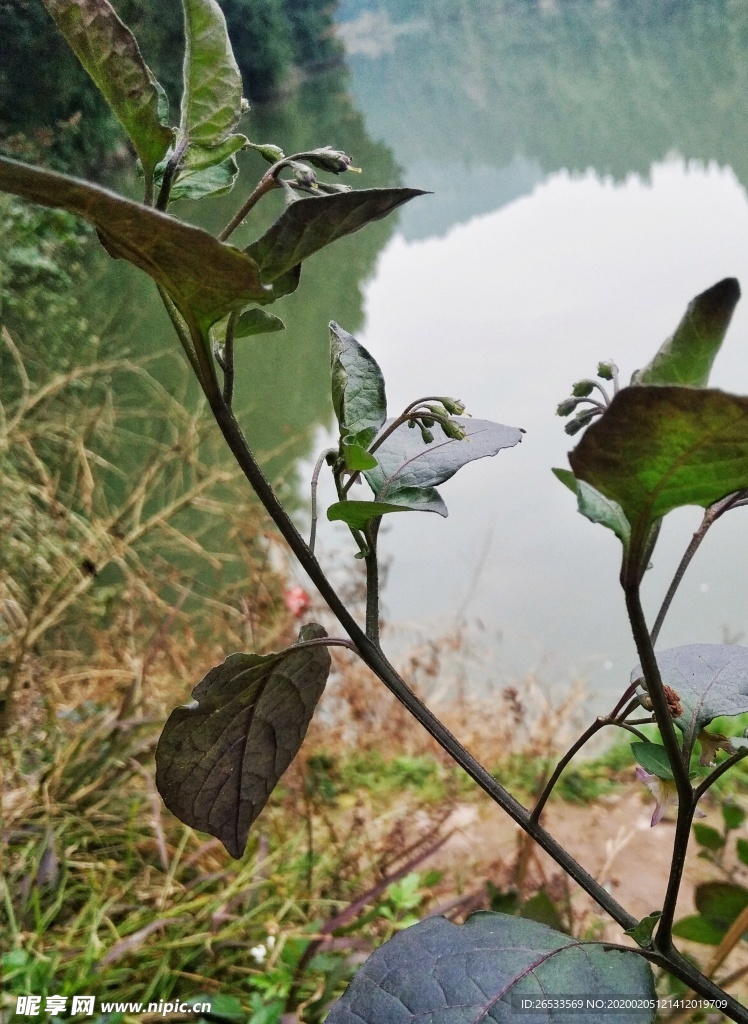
[[276, 43]]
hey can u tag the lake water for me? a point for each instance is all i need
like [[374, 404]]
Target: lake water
[[587, 162]]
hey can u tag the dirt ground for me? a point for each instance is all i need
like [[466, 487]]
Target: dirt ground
[[612, 839]]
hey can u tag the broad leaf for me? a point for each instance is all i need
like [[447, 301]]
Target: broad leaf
[[405, 461], [197, 158], [687, 357], [596, 507], [414, 499], [708, 837], [720, 903], [257, 321], [710, 679], [438, 972], [358, 394], [355, 456], [219, 759], [200, 273], [212, 96], [108, 51], [653, 759], [207, 181], [696, 928], [310, 224], [657, 448]]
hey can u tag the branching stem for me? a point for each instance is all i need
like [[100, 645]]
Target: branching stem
[[315, 480], [711, 515]]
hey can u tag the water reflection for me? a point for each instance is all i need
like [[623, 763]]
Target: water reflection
[[588, 165], [505, 312]]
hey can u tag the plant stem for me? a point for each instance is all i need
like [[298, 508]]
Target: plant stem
[[711, 515], [266, 184], [540, 803], [315, 480], [228, 360], [686, 805], [372, 581], [170, 170]]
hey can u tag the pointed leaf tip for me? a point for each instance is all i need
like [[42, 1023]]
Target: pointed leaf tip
[[686, 358]]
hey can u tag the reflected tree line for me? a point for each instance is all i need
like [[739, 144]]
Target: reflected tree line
[[575, 84]]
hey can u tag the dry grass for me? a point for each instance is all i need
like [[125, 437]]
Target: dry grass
[[132, 561]]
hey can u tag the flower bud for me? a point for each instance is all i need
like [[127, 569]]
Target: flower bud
[[580, 420], [333, 160], [304, 175], [607, 369], [330, 188], [427, 421], [567, 407], [582, 388], [427, 436], [453, 406], [267, 151], [452, 429]]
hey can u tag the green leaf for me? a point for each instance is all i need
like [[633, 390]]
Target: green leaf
[[566, 477], [708, 837], [442, 972], [696, 928], [720, 902], [108, 51], [687, 357], [197, 158], [596, 507], [212, 96], [356, 457], [658, 448], [503, 901], [653, 759], [741, 847], [310, 224], [222, 1007], [414, 499], [405, 461], [642, 933], [201, 274], [733, 815], [710, 680], [219, 759], [358, 394], [542, 909], [257, 321], [207, 181]]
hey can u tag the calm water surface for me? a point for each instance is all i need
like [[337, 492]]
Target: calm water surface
[[588, 163]]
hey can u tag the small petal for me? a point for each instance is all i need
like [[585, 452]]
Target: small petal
[[711, 742], [663, 790]]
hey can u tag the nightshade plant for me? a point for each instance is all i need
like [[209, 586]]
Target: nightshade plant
[[665, 441]]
